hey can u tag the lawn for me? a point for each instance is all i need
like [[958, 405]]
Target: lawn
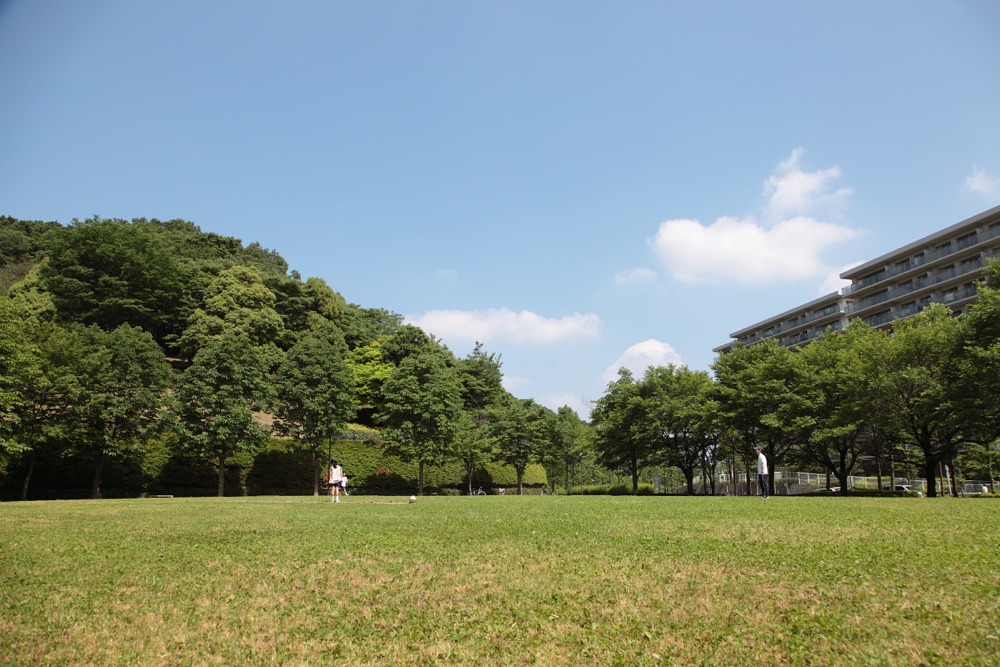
[[549, 580]]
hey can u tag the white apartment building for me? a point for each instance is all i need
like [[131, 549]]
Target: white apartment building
[[941, 268]]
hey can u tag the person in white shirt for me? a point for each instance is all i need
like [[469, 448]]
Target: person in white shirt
[[335, 480], [761, 472]]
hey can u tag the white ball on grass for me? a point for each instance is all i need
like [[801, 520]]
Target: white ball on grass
[[413, 499]]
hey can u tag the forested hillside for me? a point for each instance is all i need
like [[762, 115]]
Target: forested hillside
[[146, 352]]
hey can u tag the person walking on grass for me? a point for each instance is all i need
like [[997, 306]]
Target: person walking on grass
[[336, 480], [761, 472]]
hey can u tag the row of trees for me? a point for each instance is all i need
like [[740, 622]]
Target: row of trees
[[928, 388], [115, 333]]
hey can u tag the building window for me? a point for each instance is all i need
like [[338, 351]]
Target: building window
[[872, 278], [970, 265], [881, 318], [967, 240], [946, 272]]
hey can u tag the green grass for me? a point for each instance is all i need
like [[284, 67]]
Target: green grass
[[501, 580]]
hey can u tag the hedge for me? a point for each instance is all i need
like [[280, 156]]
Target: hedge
[[370, 469], [282, 467]]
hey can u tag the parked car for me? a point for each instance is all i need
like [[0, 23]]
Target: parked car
[[832, 489]]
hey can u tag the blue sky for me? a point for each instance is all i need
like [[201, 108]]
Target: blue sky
[[578, 185]]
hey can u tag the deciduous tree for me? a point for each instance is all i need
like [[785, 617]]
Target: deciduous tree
[[220, 396], [923, 370], [754, 385], [315, 395], [110, 272], [673, 404], [620, 428], [421, 408], [125, 396], [836, 399], [520, 428]]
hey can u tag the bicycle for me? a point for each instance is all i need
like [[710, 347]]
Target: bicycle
[[478, 492]]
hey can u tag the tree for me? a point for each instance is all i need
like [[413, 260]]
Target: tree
[[620, 429], [519, 427], [673, 408], [22, 243], [30, 299], [49, 384], [474, 446], [363, 325], [407, 341], [109, 273], [981, 369], [569, 443], [482, 380], [980, 359], [754, 386], [236, 301], [927, 391], [482, 390], [325, 301], [370, 373], [15, 373], [315, 395], [421, 408], [836, 398], [125, 396], [219, 397]]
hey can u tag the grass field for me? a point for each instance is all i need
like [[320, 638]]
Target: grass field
[[494, 580]]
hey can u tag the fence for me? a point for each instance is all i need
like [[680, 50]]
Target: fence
[[802, 481]]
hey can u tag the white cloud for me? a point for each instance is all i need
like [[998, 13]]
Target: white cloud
[[833, 282], [981, 182], [796, 192], [579, 404], [641, 356], [514, 383], [447, 274], [742, 251], [746, 251], [497, 324], [635, 276]]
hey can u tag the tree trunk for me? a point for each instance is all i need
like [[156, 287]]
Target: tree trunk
[[95, 484], [420, 479], [931, 477], [27, 475], [689, 480], [221, 491], [315, 463], [635, 475], [732, 474], [520, 480]]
